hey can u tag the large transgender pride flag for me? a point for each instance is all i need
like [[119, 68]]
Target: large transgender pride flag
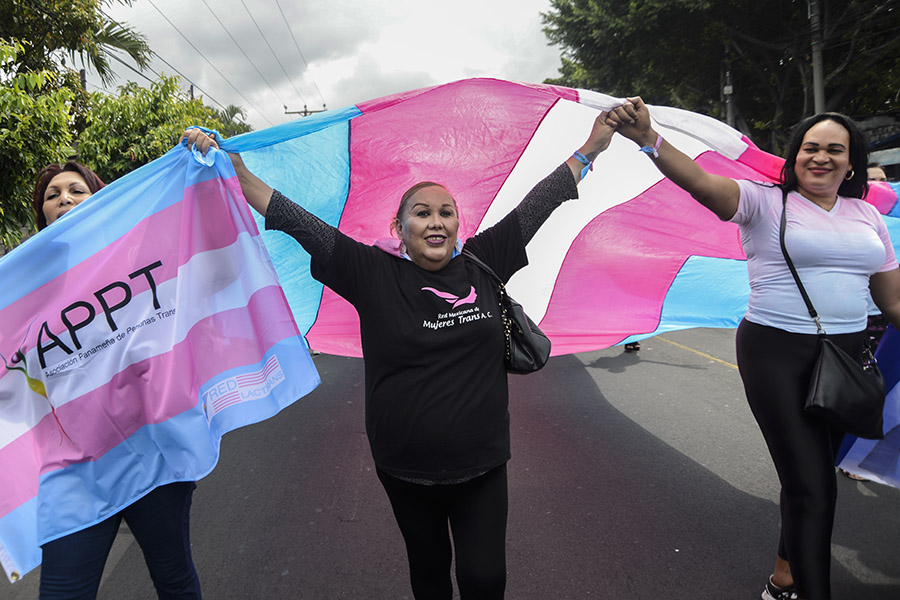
[[137, 286], [136, 331], [634, 257]]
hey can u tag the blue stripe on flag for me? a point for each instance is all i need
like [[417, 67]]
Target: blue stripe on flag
[[255, 140], [314, 172], [706, 292], [18, 530], [159, 453], [63, 244], [880, 459]]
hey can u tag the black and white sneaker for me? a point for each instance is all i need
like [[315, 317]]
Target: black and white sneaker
[[773, 592]]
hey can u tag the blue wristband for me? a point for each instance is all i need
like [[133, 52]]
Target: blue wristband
[[654, 149], [588, 165]]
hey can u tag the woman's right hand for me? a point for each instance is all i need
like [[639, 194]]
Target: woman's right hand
[[719, 194], [198, 138], [632, 120], [254, 189]]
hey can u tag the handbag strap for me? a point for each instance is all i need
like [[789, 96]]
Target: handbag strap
[[502, 299], [790, 264], [484, 267]]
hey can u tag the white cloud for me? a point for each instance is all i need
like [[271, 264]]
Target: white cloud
[[356, 50]]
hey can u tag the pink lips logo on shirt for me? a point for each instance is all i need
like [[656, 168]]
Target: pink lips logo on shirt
[[453, 299]]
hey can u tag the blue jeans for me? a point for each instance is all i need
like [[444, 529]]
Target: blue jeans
[[160, 521]]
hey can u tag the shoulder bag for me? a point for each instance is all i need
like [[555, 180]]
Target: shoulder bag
[[844, 392], [527, 348]]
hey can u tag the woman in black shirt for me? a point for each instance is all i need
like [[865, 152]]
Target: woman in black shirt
[[433, 345]]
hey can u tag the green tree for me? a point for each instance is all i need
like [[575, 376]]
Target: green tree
[[34, 131], [78, 28], [676, 51], [138, 125], [230, 121]]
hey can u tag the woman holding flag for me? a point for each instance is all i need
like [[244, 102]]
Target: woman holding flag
[[72, 566], [436, 386], [842, 249]]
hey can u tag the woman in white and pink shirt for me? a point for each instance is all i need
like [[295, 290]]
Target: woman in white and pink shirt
[[842, 251]]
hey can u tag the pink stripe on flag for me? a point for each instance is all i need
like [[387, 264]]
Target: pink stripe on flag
[[190, 227], [768, 166], [173, 378], [336, 330], [628, 284], [474, 114], [881, 196], [392, 150]]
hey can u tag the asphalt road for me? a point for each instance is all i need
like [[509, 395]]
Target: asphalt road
[[633, 476]]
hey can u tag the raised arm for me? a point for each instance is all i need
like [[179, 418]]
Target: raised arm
[[718, 194], [316, 236], [597, 142], [255, 190], [560, 185]]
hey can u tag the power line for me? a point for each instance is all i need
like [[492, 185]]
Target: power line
[[244, 53], [266, 40], [197, 50], [133, 69], [102, 89], [183, 76], [180, 74], [303, 58]]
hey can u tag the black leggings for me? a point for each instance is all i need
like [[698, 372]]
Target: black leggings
[[476, 511], [776, 366]]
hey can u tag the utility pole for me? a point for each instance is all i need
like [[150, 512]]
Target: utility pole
[[305, 112], [815, 36], [728, 92]]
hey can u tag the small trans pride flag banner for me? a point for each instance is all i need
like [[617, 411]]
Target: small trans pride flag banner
[[135, 332], [879, 460]]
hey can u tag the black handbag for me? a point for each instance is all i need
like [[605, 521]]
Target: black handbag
[[527, 348], [842, 391]]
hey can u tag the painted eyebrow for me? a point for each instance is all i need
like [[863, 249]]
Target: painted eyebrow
[[833, 145], [422, 204]]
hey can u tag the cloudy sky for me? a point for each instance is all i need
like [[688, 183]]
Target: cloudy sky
[[354, 50]]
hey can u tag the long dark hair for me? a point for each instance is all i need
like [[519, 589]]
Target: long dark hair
[[855, 187], [46, 174]]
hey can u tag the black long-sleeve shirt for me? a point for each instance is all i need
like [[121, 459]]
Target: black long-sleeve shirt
[[436, 387]]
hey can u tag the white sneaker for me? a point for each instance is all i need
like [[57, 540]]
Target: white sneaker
[[773, 592]]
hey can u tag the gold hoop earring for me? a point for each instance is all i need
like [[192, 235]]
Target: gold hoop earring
[[849, 175]]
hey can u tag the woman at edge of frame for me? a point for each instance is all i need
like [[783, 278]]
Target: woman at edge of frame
[[440, 441], [72, 566], [842, 250]]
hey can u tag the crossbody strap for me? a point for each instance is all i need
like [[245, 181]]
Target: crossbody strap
[[483, 266], [790, 263]]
